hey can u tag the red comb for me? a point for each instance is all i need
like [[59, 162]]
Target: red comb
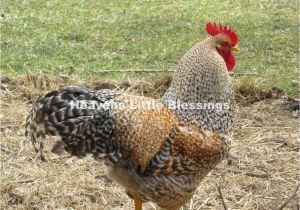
[[213, 29]]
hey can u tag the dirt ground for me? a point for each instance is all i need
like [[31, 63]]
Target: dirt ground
[[262, 172]]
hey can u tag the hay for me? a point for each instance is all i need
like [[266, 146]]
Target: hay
[[27, 88], [262, 172]]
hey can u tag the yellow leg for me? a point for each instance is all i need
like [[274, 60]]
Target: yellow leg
[[137, 203]]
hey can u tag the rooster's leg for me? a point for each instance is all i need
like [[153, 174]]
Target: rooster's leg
[[137, 203]]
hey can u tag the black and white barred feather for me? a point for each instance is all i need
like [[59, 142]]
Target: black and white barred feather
[[80, 129]]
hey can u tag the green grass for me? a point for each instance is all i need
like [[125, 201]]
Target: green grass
[[50, 36]]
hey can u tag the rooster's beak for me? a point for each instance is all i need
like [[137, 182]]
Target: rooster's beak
[[235, 48]]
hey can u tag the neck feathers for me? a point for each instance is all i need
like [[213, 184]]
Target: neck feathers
[[202, 80]]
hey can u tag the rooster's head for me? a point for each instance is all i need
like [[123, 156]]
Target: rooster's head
[[226, 40]]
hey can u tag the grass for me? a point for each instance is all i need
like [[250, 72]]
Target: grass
[[82, 37]]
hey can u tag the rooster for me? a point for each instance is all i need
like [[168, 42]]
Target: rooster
[[158, 153]]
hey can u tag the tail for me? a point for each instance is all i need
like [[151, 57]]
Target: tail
[[57, 114]]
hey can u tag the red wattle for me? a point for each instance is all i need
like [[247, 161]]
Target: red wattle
[[228, 57], [230, 61]]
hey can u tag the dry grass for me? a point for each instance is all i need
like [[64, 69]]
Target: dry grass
[[261, 174]]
